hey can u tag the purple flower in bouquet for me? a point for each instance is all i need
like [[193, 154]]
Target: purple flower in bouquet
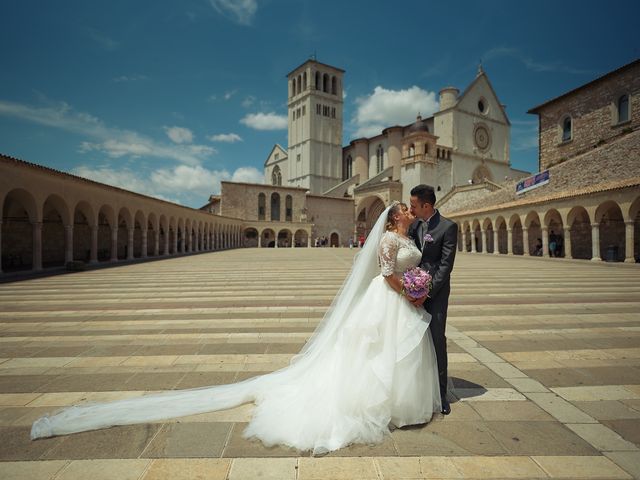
[[427, 238], [416, 282]]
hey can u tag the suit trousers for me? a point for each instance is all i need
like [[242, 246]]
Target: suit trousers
[[437, 307]]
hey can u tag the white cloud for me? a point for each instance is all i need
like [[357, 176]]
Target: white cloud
[[248, 175], [530, 63], [102, 40], [248, 101], [242, 11], [179, 134], [384, 108], [265, 121], [178, 184], [225, 138], [524, 135], [130, 78], [112, 141], [229, 94]]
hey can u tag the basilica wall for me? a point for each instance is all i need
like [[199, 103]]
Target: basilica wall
[[588, 116], [332, 218], [253, 202]]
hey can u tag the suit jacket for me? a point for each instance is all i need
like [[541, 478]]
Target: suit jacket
[[438, 254]]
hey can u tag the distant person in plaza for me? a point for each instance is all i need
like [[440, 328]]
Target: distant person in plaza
[[361, 241], [437, 239], [552, 244], [559, 242], [537, 252], [369, 366]]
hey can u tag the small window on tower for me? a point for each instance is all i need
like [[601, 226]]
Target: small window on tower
[[298, 157], [304, 110]]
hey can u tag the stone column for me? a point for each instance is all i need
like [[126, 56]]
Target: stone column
[[567, 242], [525, 242], [130, 243], [473, 242], [94, 244], [68, 243], [509, 241], [37, 246], [156, 242], [114, 244], [545, 242], [464, 240], [483, 239], [309, 239], [496, 249], [175, 243], [144, 242], [0, 245], [259, 239], [629, 242], [595, 243]]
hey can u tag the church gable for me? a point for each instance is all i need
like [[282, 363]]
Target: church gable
[[277, 155], [480, 99]]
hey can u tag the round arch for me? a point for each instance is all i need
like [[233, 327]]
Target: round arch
[[579, 242], [55, 218], [301, 238], [19, 212], [84, 220], [268, 238], [611, 231]]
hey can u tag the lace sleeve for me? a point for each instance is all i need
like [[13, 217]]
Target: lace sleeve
[[387, 253]]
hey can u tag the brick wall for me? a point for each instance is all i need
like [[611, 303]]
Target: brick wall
[[593, 114]]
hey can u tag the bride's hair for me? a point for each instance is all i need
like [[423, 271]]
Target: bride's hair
[[395, 208]]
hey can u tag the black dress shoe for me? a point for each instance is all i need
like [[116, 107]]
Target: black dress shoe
[[446, 408]]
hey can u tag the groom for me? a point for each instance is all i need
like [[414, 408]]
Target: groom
[[437, 238]]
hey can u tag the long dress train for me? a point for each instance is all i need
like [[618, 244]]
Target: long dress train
[[370, 364]]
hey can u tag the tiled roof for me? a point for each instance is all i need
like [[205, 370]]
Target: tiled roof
[[59, 173], [596, 188]]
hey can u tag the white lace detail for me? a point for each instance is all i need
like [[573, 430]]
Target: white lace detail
[[397, 254]]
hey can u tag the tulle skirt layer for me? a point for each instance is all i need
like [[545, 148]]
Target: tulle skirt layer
[[381, 371]]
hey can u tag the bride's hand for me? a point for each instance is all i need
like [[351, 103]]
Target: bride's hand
[[417, 302]]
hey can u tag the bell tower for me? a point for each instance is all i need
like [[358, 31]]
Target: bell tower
[[315, 126]]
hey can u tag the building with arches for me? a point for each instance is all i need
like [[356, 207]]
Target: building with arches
[[590, 208], [50, 218]]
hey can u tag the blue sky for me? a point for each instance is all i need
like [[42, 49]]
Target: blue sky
[[169, 98]]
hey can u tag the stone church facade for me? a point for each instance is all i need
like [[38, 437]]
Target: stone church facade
[[465, 141]]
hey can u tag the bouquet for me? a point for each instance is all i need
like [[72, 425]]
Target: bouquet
[[416, 282]]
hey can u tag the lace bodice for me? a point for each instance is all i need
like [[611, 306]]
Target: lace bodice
[[397, 254]]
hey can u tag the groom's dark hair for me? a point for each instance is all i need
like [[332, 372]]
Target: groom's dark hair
[[425, 193]]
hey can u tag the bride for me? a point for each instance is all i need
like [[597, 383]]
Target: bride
[[370, 365]]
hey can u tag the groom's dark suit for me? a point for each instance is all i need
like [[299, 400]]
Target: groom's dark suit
[[438, 254]]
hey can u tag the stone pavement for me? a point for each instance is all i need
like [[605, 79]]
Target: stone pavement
[[544, 355]]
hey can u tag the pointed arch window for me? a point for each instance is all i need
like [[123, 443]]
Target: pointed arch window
[[276, 176], [325, 83], [566, 129], [334, 86], [275, 207], [379, 159], [261, 205], [318, 84], [623, 108]]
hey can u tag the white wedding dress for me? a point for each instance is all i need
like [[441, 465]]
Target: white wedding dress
[[369, 365]]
